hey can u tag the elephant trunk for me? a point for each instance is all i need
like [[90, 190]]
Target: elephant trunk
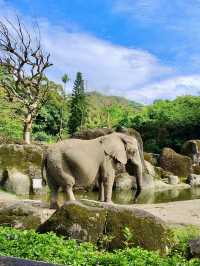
[[135, 170]]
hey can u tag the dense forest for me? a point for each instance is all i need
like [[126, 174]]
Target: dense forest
[[164, 123]]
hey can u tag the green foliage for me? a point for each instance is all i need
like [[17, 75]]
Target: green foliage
[[78, 105], [51, 248], [10, 119], [182, 236], [168, 123], [65, 78], [48, 121], [128, 235], [108, 111]]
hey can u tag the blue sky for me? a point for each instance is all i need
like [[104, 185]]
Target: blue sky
[[140, 49]]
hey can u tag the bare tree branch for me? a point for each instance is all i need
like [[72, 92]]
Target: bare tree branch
[[24, 63]]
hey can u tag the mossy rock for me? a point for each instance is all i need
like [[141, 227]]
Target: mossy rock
[[92, 133], [18, 163], [189, 147], [151, 158], [148, 231], [175, 163], [161, 173], [19, 216], [94, 221], [77, 221], [20, 156], [196, 169]]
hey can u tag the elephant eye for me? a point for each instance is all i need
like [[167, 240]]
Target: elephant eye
[[131, 150]]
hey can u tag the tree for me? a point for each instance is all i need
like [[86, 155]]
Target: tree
[[65, 79], [78, 105], [23, 64]]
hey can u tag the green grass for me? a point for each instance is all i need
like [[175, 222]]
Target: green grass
[[51, 248]]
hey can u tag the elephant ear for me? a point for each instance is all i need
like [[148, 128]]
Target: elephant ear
[[114, 147]]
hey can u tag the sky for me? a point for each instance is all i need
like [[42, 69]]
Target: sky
[[140, 49]]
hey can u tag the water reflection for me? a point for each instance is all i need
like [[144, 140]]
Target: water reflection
[[127, 197]]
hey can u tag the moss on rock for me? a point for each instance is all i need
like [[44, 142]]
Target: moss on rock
[[77, 221], [16, 160], [19, 216], [189, 148], [151, 158], [20, 156], [93, 221]]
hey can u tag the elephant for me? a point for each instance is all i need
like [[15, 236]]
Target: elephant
[[80, 162]]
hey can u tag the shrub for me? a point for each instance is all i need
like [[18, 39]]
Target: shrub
[[51, 248]]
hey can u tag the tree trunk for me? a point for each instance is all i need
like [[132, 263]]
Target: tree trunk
[[27, 129]]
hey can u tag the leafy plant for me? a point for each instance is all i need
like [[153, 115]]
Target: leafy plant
[[128, 235], [51, 248]]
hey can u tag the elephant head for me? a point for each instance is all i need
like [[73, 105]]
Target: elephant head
[[125, 149]]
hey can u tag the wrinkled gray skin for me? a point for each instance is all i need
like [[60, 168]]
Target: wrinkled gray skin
[[80, 162]]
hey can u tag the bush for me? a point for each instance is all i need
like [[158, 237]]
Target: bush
[[182, 236], [51, 248], [43, 137], [167, 123]]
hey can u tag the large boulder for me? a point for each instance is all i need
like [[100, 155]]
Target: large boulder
[[173, 180], [92, 133], [151, 158], [92, 221], [196, 169], [125, 182], [194, 247], [194, 180], [20, 168], [191, 148], [23, 214], [175, 163]]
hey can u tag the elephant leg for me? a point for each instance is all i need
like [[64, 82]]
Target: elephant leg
[[101, 190], [107, 176], [108, 186], [54, 197], [70, 193]]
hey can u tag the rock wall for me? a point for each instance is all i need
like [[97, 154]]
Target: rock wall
[[20, 168]]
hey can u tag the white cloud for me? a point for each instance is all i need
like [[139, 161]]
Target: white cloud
[[108, 68], [168, 89]]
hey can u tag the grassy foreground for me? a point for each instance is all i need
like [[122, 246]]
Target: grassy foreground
[[51, 248]]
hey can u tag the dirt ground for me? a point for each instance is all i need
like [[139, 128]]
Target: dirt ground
[[176, 213]]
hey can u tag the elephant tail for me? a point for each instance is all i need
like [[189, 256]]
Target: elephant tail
[[44, 169]]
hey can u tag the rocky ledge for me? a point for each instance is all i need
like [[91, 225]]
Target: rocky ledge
[[94, 221]]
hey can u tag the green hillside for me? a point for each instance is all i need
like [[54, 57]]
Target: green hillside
[[103, 100]]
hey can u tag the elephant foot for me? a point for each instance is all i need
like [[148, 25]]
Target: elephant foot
[[66, 201], [54, 206], [101, 200], [109, 202]]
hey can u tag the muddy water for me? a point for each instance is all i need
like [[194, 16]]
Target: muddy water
[[126, 197]]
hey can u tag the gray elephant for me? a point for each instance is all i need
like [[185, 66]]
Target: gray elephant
[[80, 162]]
